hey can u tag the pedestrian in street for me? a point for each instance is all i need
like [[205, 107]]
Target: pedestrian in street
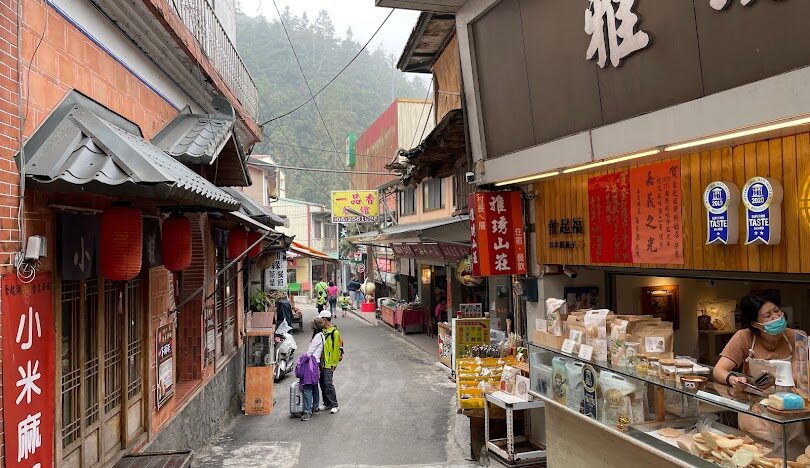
[[313, 355], [344, 302], [332, 345], [332, 297], [354, 290], [439, 315], [320, 295]]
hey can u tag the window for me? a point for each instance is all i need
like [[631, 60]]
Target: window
[[432, 196], [134, 341], [317, 231], [225, 304], [407, 202]]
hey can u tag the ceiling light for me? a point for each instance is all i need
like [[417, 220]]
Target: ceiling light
[[527, 178], [741, 133], [612, 161]]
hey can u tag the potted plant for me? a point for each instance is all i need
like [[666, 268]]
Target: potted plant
[[259, 301]]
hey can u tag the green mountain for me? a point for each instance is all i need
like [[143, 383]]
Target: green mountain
[[350, 104]]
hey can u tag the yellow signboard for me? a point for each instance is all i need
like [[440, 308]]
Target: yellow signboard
[[468, 332], [354, 206]]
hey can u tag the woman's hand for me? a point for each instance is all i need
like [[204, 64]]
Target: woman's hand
[[737, 381]]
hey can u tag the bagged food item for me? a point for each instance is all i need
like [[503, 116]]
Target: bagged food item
[[618, 335], [655, 339], [559, 386], [575, 397], [801, 364], [508, 379], [554, 311], [596, 333], [617, 399], [544, 375]]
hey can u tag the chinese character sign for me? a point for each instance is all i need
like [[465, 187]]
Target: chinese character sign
[[354, 206], [722, 200], [497, 238], [762, 197], [720, 4], [656, 204], [164, 357], [614, 32], [28, 370], [275, 277], [609, 212]]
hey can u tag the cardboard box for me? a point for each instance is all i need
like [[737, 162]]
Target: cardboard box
[[547, 339]]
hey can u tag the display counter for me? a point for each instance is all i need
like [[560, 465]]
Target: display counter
[[655, 418]]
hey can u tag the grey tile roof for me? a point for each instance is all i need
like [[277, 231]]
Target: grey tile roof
[[78, 150], [253, 209]]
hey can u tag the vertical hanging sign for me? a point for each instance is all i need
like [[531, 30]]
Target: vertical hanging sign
[[762, 197], [609, 211], [28, 371], [164, 364], [497, 233], [721, 200]]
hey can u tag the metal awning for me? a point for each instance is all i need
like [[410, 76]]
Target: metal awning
[[208, 141], [432, 33], [254, 210], [304, 251], [84, 147], [450, 230], [440, 154]]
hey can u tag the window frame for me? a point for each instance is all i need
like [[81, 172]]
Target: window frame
[[403, 198], [428, 196]]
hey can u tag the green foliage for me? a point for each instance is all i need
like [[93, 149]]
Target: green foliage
[[350, 104], [259, 301]]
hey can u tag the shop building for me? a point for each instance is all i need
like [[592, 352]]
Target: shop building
[[125, 108], [646, 147]]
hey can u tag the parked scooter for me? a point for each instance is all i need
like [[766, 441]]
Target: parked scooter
[[285, 351]]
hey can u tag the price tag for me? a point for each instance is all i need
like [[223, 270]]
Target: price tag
[[585, 352], [568, 346]]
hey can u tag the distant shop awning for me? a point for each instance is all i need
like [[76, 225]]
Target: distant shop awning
[[440, 154], [304, 251], [254, 210], [84, 147], [209, 141], [454, 230]]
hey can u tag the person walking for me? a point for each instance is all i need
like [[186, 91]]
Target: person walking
[[354, 290], [332, 297], [332, 355], [309, 379], [320, 295], [344, 302]]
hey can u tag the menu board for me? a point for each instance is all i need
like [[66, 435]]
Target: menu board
[[164, 356], [469, 332]]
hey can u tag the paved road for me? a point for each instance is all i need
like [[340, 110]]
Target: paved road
[[397, 409]]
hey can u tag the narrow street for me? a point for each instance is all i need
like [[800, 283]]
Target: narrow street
[[397, 408]]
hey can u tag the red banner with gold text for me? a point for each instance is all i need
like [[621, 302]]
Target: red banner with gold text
[[656, 207], [609, 211]]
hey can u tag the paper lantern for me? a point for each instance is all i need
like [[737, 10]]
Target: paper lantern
[[237, 242], [253, 236], [121, 242], [176, 235]]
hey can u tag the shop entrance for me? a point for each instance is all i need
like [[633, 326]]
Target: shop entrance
[[102, 402]]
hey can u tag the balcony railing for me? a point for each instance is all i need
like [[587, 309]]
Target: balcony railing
[[200, 18]]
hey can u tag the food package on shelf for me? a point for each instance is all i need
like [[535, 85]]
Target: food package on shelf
[[559, 384], [575, 396], [555, 311], [720, 313], [618, 336], [655, 338], [596, 333], [801, 364], [622, 399], [542, 380]]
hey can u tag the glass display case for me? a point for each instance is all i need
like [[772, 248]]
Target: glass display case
[[678, 411]]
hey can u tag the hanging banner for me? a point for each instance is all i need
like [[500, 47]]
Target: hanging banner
[[497, 242], [210, 334], [655, 198], [79, 233], [722, 200], [609, 211], [354, 206], [275, 277], [762, 197], [28, 371], [164, 364]]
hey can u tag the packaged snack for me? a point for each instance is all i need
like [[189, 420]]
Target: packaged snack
[[596, 333], [508, 379], [575, 398], [655, 339], [559, 386], [618, 400], [785, 401], [618, 334], [800, 364], [543, 378], [554, 312]]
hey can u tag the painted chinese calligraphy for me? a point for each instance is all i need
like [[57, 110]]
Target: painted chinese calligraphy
[[28, 381], [620, 24], [29, 438], [32, 317], [720, 4]]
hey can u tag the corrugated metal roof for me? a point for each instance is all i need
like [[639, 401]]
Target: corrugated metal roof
[[206, 139], [253, 209], [79, 149]]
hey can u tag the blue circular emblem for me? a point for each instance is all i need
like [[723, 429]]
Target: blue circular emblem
[[717, 197], [757, 194]]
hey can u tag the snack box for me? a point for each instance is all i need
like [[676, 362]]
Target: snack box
[[548, 340]]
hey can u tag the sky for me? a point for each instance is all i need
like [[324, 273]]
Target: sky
[[363, 17]]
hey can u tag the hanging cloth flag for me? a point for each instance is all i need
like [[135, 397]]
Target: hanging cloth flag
[[152, 253], [79, 245]]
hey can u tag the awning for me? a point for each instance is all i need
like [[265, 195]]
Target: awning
[[85, 147], [304, 251], [440, 154], [208, 141], [253, 209], [449, 230]]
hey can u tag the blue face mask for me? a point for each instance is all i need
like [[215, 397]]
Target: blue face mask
[[776, 326]]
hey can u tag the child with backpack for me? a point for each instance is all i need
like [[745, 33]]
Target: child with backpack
[[345, 302], [332, 355]]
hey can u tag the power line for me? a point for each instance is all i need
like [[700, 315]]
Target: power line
[[420, 116], [313, 169], [312, 98], [326, 150]]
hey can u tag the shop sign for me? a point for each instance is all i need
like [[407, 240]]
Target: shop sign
[[497, 238], [589, 403], [468, 333], [354, 206], [79, 234], [614, 31], [569, 229], [762, 197], [402, 250], [275, 277], [722, 200], [453, 251], [28, 371], [210, 334], [164, 363], [428, 251], [475, 310], [720, 4]]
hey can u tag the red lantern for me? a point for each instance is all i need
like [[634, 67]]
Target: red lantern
[[254, 236], [121, 243], [237, 242], [176, 243]]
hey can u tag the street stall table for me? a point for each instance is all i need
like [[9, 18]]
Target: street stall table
[[513, 450]]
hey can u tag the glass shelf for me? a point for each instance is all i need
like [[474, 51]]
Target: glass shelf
[[715, 394]]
